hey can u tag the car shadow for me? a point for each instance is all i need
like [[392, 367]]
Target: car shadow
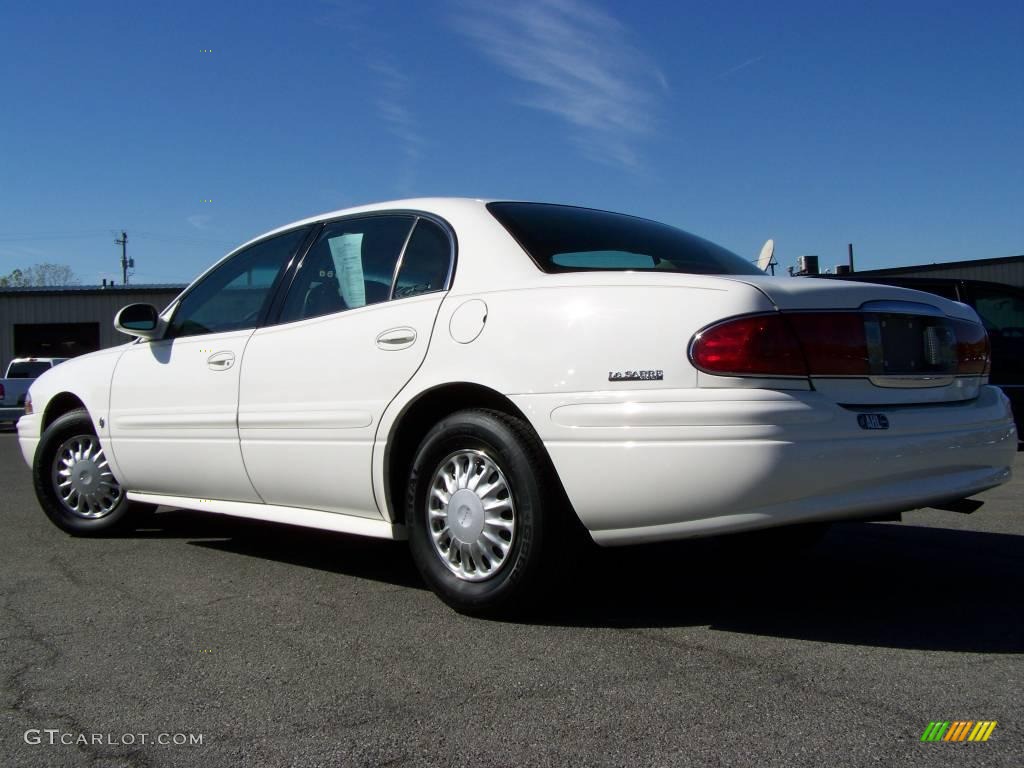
[[876, 584], [872, 584], [365, 558]]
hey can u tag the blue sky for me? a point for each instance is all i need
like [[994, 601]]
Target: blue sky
[[897, 126]]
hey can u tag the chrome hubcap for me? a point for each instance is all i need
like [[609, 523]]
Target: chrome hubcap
[[83, 480], [471, 515]]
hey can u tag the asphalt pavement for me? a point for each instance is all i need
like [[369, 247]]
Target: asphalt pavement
[[265, 645]]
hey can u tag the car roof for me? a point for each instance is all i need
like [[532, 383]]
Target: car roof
[[497, 258], [443, 207]]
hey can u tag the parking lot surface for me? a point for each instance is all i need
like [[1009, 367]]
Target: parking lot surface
[[281, 646]]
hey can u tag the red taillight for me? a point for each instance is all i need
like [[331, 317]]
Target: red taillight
[[834, 343], [841, 344], [972, 350], [757, 345], [3, 393]]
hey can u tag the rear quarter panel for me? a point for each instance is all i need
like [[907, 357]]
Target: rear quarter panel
[[560, 338]]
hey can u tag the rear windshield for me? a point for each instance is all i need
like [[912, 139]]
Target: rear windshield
[[27, 370], [561, 238]]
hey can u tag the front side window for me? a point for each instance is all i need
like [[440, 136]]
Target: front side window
[[233, 296], [561, 238], [351, 265]]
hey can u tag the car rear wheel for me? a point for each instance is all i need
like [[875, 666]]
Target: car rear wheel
[[73, 480], [479, 511]]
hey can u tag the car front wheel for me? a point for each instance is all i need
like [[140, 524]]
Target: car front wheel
[[73, 480], [479, 511]]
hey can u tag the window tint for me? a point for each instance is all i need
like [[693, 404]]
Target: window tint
[[233, 296], [604, 260], [561, 238], [26, 370], [427, 260], [351, 265]]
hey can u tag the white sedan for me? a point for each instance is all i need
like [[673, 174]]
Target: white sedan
[[488, 379]]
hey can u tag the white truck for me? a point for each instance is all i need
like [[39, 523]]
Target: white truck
[[21, 372]]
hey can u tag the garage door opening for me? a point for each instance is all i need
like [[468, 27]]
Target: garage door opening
[[55, 339]]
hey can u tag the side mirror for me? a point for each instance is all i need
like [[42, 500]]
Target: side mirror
[[140, 320]]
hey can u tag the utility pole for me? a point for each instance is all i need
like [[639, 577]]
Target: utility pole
[[849, 255], [125, 261]]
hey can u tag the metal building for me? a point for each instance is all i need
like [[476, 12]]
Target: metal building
[[69, 320], [1008, 270]]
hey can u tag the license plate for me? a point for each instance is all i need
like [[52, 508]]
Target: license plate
[[873, 421]]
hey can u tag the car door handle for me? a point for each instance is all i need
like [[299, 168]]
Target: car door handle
[[397, 338], [220, 361]]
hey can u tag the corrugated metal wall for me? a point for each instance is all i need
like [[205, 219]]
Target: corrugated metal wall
[[1008, 271], [72, 306]]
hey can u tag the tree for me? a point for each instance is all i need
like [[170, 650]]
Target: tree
[[14, 280], [41, 275]]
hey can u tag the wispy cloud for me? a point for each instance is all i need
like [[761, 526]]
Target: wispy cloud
[[370, 41], [581, 65], [395, 89], [738, 67], [20, 252], [200, 221]]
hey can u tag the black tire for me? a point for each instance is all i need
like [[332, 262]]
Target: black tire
[[76, 424], [521, 461]]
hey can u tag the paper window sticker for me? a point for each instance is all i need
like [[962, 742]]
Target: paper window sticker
[[347, 254]]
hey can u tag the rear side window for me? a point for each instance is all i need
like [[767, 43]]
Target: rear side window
[[561, 238], [426, 261]]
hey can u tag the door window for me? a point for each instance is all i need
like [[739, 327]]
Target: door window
[[234, 295], [351, 265]]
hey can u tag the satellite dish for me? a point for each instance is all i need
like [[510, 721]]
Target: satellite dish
[[766, 259]]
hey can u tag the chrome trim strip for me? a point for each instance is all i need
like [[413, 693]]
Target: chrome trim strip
[[911, 382], [401, 258], [341, 522]]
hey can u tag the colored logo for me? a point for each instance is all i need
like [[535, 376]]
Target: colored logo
[[959, 730]]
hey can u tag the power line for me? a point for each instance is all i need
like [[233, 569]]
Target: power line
[[10, 237], [14, 237], [160, 238]]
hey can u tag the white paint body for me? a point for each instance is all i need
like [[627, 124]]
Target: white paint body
[[296, 429], [12, 390]]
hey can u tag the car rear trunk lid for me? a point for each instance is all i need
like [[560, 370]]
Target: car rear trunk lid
[[919, 348]]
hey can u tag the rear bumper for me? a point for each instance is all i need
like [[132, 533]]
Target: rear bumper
[[650, 466]]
